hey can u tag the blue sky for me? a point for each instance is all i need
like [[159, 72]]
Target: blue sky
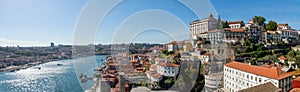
[[39, 22], [281, 11]]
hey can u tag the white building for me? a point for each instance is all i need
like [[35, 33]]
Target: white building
[[153, 76], [160, 69], [167, 69], [273, 36], [233, 34], [253, 32], [288, 35], [238, 76], [174, 46], [215, 36], [283, 26], [204, 25], [236, 24], [213, 82], [207, 57]]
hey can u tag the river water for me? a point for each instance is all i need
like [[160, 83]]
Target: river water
[[51, 77]]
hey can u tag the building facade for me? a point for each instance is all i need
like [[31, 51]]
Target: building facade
[[273, 36], [167, 69], [238, 76], [213, 82], [201, 26], [174, 46], [283, 26], [215, 36], [254, 33], [160, 69], [288, 35], [234, 34], [236, 24]]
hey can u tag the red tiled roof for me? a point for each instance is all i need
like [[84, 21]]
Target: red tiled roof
[[237, 30], [173, 42], [203, 33], [201, 49], [274, 72], [298, 79], [207, 54], [167, 64], [282, 57], [156, 75], [282, 24], [236, 22], [272, 32], [262, 88], [153, 66], [234, 29], [213, 30], [267, 65], [295, 90]]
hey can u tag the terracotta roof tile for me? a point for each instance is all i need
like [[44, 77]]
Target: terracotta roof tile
[[295, 90], [282, 24], [201, 49], [156, 75], [274, 72], [204, 33], [237, 30], [282, 57], [262, 88], [234, 29], [207, 54], [213, 30], [272, 32], [167, 64], [236, 22], [298, 79], [153, 66], [173, 42]]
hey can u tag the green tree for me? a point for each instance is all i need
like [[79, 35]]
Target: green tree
[[248, 49], [272, 25], [297, 62], [206, 42], [272, 58], [262, 48], [225, 24], [291, 55], [253, 62], [246, 43], [259, 20], [200, 39], [170, 52], [164, 52]]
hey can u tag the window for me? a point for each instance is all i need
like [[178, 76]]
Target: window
[[259, 80]]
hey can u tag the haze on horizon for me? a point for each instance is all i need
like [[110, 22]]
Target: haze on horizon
[[39, 22]]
